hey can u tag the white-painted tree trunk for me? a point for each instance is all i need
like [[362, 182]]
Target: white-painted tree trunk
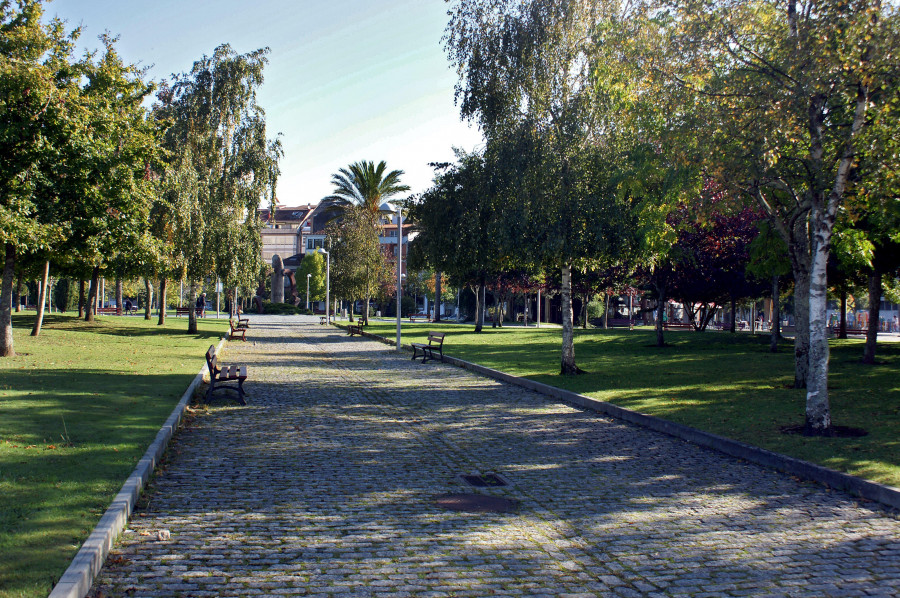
[[818, 416]]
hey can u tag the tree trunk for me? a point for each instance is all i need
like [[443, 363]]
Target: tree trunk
[[479, 306], [874, 314], [660, 313], [81, 298], [148, 288], [17, 293], [584, 312], [818, 416], [119, 303], [6, 292], [93, 292], [801, 329], [39, 320], [437, 296], [568, 366], [776, 316], [192, 312], [163, 286], [733, 328], [842, 328], [606, 312]]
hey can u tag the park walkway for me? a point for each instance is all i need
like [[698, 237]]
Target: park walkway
[[325, 485]]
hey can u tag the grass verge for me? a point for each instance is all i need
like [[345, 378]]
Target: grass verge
[[78, 407], [727, 384]]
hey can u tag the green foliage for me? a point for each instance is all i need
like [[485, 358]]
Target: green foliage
[[281, 309], [314, 264], [65, 295], [364, 184], [222, 166], [358, 266]]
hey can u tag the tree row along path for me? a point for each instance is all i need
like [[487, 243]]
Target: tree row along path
[[326, 485]]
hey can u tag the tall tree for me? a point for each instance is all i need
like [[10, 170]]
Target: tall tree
[[38, 91], [456, 222], [225, 166], [363, 184], [525, 77], [313, 264], [357, 263], [775, 97]]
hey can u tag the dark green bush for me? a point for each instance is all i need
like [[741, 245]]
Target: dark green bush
[[280, 309]]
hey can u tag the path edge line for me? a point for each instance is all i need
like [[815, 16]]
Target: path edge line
[[881, 493], [77, 580]]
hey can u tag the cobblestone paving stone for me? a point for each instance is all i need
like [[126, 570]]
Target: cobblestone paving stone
[[324, 485]]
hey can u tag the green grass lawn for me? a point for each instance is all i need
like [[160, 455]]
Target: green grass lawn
[[728, 384], [78, 407]]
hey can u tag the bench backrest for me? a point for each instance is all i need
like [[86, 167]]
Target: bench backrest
[[211, 359], [436, 337]]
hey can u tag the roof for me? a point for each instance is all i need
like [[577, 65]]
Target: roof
[[286, 214]]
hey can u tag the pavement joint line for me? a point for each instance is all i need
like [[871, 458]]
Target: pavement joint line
[[77, 579], [883, 494]]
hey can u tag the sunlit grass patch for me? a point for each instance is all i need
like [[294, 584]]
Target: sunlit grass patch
[[78, 407]]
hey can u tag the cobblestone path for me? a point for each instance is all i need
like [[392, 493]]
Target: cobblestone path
[[325, 485]]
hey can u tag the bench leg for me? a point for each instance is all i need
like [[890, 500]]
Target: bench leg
[[209, 392], [241, 392]]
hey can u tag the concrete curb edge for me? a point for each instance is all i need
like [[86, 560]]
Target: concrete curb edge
[[76, 581], [886, 495]]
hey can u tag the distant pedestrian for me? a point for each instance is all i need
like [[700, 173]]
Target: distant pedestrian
[[128, 306], [894, 327], [201, 304]]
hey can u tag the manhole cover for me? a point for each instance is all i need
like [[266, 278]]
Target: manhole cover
[[484, 481], [477, 503]]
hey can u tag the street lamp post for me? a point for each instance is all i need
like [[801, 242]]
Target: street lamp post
[[327, 283], [307, 291], [399, 267]]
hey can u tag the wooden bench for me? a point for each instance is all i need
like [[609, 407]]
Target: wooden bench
[[677, 325], [415, 317], [435, 345], [355, 329], [243, 322], [109, 311], [237, 330], [225, 377], [854, 331], [186, 311]]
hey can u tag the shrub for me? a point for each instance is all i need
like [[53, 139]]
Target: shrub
[[280, 309]]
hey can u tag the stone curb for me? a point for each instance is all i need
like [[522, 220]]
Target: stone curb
[[77, 580], [886, 495]]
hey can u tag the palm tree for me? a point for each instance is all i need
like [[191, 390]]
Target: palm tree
[[364, 184]]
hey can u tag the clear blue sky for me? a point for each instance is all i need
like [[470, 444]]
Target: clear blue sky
[[347, 80]]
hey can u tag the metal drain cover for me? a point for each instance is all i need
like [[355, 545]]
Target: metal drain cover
[[484, 481], [477, 503]]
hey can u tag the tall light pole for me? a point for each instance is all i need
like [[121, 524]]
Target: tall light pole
[[399, 267], [327, 283], [307, 291]]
